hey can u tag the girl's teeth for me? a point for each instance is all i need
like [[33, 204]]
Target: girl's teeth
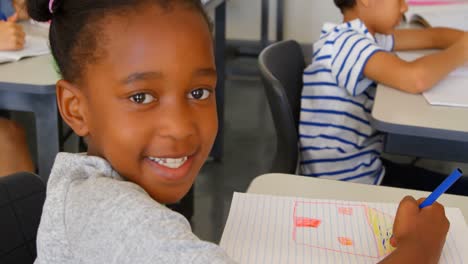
[[170, 163]]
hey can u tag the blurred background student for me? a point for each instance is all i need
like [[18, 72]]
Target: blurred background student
[[14, 156], [11, 34]]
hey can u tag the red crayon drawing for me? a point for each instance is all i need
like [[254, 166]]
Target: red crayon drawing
[[345, 210], [306, 222], [345, 241], [355, 229]]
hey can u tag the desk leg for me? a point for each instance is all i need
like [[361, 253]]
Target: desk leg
[[431, 148], [264, 23], [220, 44], [280, 20], [47, 134]]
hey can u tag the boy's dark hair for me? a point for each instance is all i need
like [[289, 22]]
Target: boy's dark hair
[[76, 27], [345, 4]]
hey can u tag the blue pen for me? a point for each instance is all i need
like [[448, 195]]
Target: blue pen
[[2, 16], [449, 181]]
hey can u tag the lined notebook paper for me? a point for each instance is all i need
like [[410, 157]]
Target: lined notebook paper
[[271, 229]]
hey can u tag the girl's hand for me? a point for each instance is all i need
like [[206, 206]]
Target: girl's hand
[[424, 229], [12, 36]]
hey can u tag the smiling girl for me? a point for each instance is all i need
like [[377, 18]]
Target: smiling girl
[[139, 84]]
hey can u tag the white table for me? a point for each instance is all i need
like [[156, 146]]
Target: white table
[[416, 128], [309, 187]]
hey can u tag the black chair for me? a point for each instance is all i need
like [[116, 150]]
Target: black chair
[[22, 196], [282, 65]]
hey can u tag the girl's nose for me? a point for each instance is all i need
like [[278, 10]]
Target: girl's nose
[[176, 122]]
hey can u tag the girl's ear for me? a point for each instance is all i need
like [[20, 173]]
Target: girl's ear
[[73, 107]]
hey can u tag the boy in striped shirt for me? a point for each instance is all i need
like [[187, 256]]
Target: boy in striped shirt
[[336, 138]]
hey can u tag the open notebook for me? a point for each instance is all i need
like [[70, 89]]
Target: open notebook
[[451, 91], [453, 14], [271, 229], [34, 46]]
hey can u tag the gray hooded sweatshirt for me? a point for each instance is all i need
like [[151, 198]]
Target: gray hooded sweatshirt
[[92, 215]]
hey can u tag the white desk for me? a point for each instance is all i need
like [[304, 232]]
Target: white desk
[[309, 187], [416, 128], [34, 71]]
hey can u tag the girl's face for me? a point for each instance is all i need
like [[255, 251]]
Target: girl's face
[[149, 103], [385, 15]]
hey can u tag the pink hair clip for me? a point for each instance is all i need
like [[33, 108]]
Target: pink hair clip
[[51, 3]]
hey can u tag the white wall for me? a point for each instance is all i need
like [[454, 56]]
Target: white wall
[[302, 19]]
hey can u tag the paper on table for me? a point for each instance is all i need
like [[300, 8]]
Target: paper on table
[[34, 46], [451, 91], [269, 229], [45, 25]]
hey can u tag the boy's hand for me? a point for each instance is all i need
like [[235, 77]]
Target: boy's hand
[[422, 229], [12, 36]]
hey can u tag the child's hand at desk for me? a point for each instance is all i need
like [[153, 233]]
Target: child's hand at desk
[[12, 36], [418, 234], [21, 10]]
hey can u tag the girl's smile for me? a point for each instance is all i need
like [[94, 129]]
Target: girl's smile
[[171, 170]]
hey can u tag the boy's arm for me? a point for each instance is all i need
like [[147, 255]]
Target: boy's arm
[[419, 75], [428, 38], [418, 234]]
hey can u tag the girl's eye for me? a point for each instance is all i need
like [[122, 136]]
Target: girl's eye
[[199, 94], [142, 98]]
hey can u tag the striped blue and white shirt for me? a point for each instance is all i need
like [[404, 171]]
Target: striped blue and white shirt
[[6, 7], [336, 138]]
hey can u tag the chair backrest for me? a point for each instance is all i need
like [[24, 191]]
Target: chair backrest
[[22, 196], [282, 65]]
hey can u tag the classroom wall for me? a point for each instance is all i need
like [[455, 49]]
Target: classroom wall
[[302, 19]]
